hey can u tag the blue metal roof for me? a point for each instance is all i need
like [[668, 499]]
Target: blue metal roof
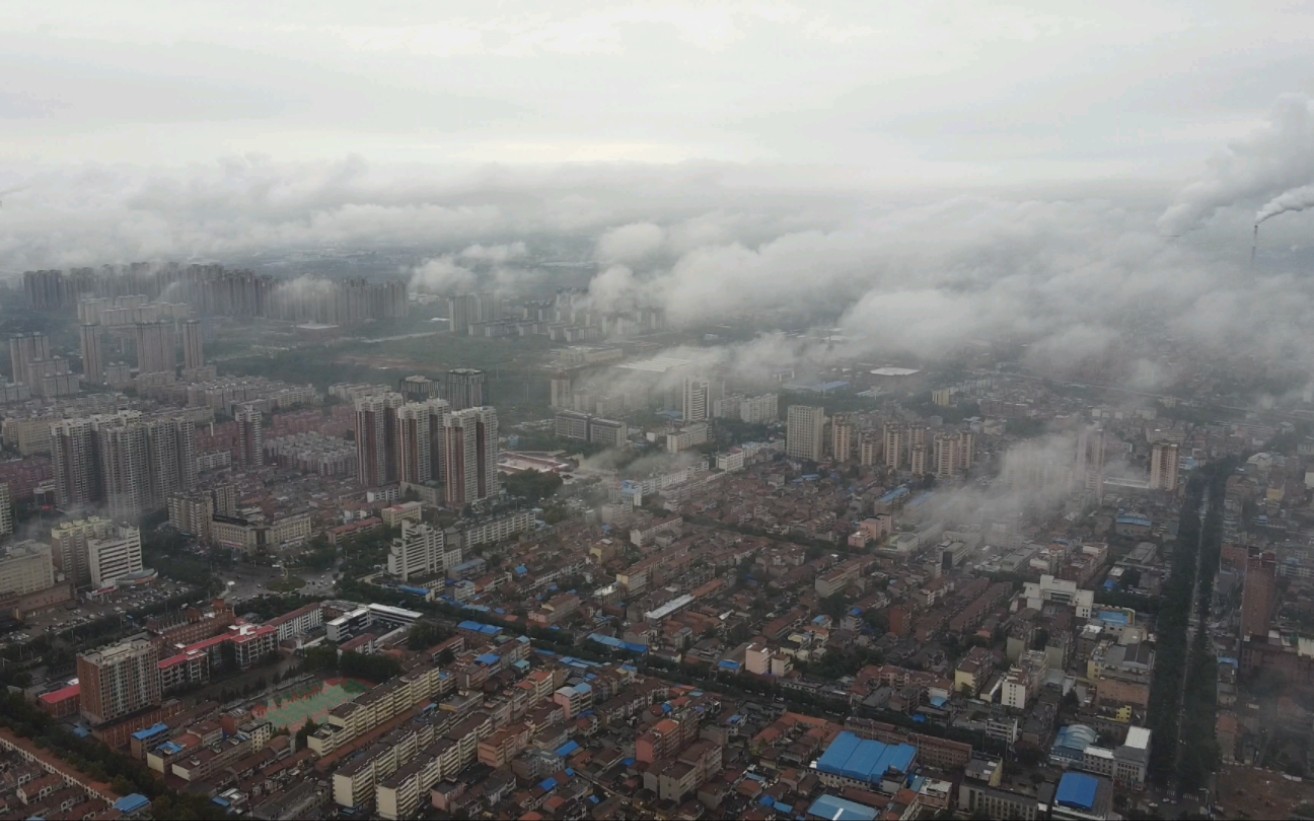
[[840, 809], [132, 803], [566, 749], [1077, 790], [151, 732], [863, 760]]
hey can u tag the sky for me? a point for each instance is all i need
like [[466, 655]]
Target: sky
[[948, 93], [920, 174]]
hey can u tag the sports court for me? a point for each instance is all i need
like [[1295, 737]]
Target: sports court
[[313, 699]]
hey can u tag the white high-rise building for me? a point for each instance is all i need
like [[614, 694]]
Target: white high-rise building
[[805, 432], [114, 556], [697, 399], [420, 550], [69, 546]]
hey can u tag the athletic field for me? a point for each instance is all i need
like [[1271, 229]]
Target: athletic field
[[313, 700]]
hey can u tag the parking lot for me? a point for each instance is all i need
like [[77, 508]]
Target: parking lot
[[123, 602]]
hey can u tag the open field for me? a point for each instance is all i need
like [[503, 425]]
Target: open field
[[312, 700]]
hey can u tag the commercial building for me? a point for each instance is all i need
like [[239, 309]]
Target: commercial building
[[119, 679], [1059, 591], [805, 430], [69, 546], [420, 550], [113, 556], [26, 567]]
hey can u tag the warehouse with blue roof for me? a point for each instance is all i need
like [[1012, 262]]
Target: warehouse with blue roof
[[1082, 797], [834, 808], [850, 760]]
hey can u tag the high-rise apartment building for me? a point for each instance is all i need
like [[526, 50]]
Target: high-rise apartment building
[[842, 435], [124, 459], [414, 443], [953, 454], [6, 510], [129, 463], [805, 432], [870, 444], [113, 556], [470, 456], [74, 461], [417, 388], [119, 679], [250, 434], [894, 434], [155, 348], [193, 344], [93, 354], [376, 438], [420, 550], [1258, 594], [24, 349], [172, 445], [697, 401], [1163, 466], [466, 388], [1089, 473], [917, 460], [462, 312]]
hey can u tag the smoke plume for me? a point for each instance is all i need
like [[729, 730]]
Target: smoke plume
[[1274, 158], [1297, 199]]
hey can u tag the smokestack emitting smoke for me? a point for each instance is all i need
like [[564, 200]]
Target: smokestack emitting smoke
[[1297, 199], [1254, 245]]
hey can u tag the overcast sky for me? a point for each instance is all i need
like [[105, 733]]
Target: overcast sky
[[944, 92]]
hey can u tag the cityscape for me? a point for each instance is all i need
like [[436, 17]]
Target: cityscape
[[874, 434]]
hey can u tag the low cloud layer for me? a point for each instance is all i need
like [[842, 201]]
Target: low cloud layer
[[1079, 275]]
